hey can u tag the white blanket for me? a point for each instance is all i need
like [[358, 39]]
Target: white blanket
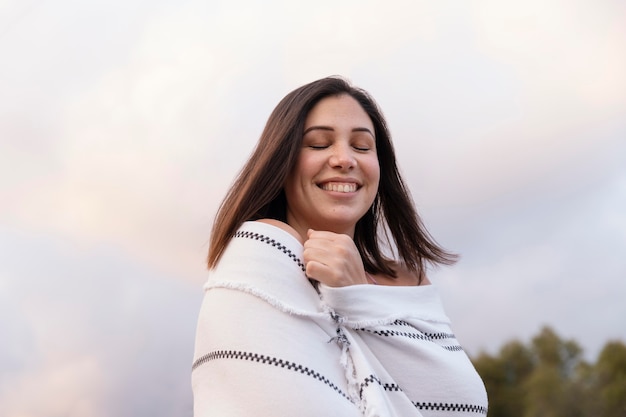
[[268, 344]]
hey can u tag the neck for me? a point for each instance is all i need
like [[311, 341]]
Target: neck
[[303, 228]]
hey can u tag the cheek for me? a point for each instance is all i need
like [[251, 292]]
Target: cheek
[[295, 179], [373, 170], [307, 168]]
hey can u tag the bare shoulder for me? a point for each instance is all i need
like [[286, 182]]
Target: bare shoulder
[[404, 277], [408, 276], [284, 226]]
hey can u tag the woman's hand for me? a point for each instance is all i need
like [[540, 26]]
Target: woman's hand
[[333, 259]]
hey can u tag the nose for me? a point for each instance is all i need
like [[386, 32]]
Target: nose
[[342, 157]]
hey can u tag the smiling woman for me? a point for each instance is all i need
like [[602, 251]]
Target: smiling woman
[[289, 324], [335, 180]]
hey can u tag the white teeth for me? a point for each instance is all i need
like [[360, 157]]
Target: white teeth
[[339, 187]]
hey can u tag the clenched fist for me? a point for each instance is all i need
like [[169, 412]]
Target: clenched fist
[[333, 259]]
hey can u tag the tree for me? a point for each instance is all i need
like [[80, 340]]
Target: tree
[[503, 377], [610, 379], [549, 378], [549, 388]]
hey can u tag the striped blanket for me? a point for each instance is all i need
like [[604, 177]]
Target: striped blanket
[[269, 344]]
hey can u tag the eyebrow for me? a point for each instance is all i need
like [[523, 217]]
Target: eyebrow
[[330, 129]]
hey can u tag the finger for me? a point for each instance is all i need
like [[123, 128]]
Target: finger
[[328, 254], [324, 234], [316, 254], [320, 244], [315, 270], [329, 238], [324, 249], [324, 274]]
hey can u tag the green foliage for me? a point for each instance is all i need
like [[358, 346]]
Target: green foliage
[[549, 378], [611, 379]]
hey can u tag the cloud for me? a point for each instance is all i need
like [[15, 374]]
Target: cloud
[[132, 159], [143, 154], [549, 265], [564, 50], [506, 97], [127, 122], [53, 381], [86, 327]]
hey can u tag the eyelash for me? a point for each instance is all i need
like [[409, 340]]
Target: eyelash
[[320, 147]]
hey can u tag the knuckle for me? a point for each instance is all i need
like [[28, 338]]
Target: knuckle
[[340, 249]]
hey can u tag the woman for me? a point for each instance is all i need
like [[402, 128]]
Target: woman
[[318, 301]]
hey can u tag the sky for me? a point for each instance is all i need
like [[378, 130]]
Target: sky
[[123, 123]]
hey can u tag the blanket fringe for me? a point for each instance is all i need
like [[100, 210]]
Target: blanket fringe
[[249, 289]]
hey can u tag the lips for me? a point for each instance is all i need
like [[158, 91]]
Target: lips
[[339, 187]]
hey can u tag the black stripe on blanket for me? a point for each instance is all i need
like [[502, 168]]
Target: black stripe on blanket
[[434, 336], [272, 242], [416, 336], [423, 405], [451, 407], [267, 360], [386, 386]]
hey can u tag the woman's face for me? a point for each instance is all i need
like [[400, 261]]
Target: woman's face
[[336, 177]]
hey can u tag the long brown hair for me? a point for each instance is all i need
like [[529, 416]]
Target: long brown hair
[[258, 192]]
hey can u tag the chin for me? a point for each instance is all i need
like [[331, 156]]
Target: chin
[[340, 225]]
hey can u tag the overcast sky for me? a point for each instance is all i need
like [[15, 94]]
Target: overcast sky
[[122, 124]]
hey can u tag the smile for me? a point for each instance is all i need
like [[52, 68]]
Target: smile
[[339, 187]]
